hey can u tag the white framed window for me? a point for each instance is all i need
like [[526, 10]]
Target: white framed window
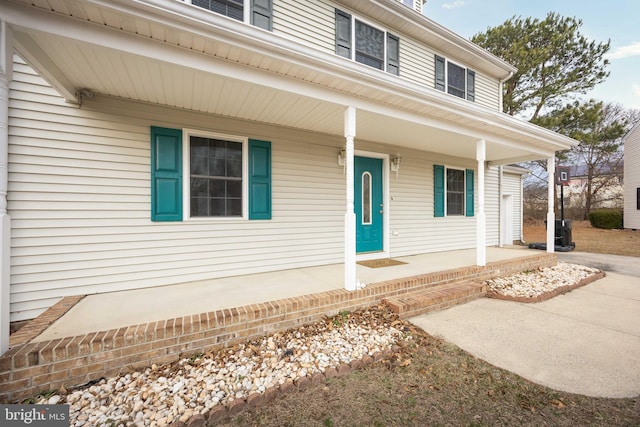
[[453, 191], [255, 12], [455, 186], [367, 44], [215, 184], [454, 79]]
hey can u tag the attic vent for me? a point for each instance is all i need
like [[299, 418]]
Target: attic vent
[[413, 4]]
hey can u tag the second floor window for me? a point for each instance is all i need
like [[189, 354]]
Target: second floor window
[[260, 12], [454, 79], [366, 44]]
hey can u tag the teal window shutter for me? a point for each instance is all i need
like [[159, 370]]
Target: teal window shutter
[[438, 190], [166, 174], [469, 193], [440, 74], [259, 179]]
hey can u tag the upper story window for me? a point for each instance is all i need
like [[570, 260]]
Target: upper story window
[[366, 44], [413, 4], [454, 79], [255, 12]]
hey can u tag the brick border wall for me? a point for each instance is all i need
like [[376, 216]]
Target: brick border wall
[[29, 368]]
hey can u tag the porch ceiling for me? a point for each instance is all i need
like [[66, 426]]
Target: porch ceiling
[[224, 68]]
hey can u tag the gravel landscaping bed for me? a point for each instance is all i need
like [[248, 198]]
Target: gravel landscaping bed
[[211, 385], [542, 284], [206, 387]]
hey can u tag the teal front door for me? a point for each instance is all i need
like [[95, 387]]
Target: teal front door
[[368, 204]]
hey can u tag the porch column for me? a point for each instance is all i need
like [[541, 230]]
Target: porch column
[[6, 69], [350, 281], [551, 216], [481, 221]]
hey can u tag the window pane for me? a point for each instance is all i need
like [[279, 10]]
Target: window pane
[[216, 177], [230, 8], [366, 198], [455, 80], [369, 45], [455, 192]]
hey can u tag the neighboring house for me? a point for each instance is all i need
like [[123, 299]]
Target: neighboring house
[[608, 184], [632, 178], [156, 142]]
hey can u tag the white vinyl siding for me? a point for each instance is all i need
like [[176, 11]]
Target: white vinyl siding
[[632, 178], [416, 62], [487, 91], [511, 184], [306, 22]]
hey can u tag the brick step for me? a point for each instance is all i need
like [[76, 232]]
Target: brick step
[[435, 298]]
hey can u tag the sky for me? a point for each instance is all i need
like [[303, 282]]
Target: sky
[[614, 20]]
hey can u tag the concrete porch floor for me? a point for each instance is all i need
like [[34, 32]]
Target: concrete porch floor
[[102, 312]]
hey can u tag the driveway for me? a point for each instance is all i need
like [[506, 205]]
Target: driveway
[[586, 341], [627, 265]]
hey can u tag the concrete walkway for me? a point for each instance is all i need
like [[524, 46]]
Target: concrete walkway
[[586, 341]]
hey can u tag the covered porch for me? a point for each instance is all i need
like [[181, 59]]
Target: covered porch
[[256, 77]]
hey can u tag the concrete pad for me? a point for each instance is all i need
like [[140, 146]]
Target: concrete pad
[[585, 341]]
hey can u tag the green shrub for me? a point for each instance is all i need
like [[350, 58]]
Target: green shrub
[[606, 218]]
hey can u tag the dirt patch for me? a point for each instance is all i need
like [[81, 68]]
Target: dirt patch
[[432, 382], [589, 239]]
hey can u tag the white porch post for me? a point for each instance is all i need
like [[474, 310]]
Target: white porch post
[[481, 220], [350, 281], [551, 216], [6, 68]]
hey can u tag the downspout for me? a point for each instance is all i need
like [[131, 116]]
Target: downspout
[[522, 208], [500, 207], [500, 96], [6, 71]]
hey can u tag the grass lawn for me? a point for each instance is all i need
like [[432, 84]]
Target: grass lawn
[[589, 239], [434, 383]]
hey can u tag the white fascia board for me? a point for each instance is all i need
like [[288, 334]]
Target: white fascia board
[[515, 169]]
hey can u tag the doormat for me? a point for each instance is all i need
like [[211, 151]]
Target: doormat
[[384, 262]]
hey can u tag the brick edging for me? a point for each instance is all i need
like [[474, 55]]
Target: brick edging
[[35, 327], [256, 400], [548, 295]]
